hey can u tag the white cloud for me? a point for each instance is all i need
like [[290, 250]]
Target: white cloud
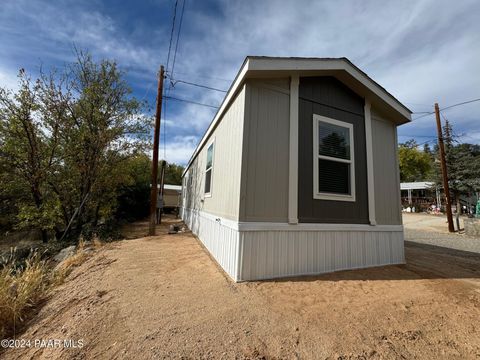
[[8, 79], [420, 51], [179, 149]]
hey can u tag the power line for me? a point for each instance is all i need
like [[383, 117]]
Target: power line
[[205, 77], [171, 33], [462, 103], [165, 128], [197, 85], [191, 102], [422, 116], [167, 90], [178, 37], [448, 107]]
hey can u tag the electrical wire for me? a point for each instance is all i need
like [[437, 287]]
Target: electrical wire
[[205, 77], [422, 116], [424, 136], [166, 70], [448, 107], [178, 37], [191, 102], [171, 33], [164, 128], [462, 103], [197, 85]]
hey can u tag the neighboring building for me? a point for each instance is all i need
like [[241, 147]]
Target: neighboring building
[[298, 172], [421, 195], [171, 197], [426, 195]]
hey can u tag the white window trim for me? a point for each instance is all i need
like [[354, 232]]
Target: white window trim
[[209, 194], [329, 196]]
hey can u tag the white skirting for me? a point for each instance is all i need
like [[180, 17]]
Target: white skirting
[[253, 251], [220, 240]]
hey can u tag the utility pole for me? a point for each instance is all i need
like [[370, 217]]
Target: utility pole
[[441, 147], [156, 141], [163, 168]]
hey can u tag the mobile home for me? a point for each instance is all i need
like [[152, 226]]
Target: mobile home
[[298, 172]]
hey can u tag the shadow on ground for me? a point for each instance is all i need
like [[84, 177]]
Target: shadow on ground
[[422, 262]]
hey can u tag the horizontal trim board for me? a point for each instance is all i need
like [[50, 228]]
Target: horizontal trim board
[[262, 226], [261, 255], [274, 226]]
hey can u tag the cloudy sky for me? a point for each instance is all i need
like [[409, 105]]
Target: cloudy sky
[[420, 51]]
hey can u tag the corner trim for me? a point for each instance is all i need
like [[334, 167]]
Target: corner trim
[[370, 167], [293, 152]]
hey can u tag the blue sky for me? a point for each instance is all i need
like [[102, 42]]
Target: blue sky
[[420, 51]]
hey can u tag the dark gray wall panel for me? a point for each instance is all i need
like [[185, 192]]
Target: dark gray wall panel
[[329, 97]]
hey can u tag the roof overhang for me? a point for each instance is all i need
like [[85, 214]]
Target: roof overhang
[[341, 68], [418, 185]]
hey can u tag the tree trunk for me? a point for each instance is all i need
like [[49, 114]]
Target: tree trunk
[[37, 198], [44, 236], [97, 214], [459, 209]]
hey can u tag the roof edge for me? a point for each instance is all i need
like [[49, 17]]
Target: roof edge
[[251, 63]]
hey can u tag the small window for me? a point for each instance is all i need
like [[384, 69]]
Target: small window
[[208, 170], [333, 167]]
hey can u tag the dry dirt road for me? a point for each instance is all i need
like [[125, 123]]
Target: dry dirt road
[[163, 297]]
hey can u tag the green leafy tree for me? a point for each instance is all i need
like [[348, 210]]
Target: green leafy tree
[[102, 131], [134, 194], [173, 174], [415, 165], [463, 163], [66, 143], [28, 147], [463, 166]]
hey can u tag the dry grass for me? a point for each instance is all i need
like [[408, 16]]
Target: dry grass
[[76, 259], [23, 287]]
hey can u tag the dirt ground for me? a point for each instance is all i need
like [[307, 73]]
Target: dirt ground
[[164, 297], [426, 222]]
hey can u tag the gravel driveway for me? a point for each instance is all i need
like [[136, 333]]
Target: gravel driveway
[[432, 230]]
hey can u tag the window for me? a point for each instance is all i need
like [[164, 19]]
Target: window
[[333, 161], [208, 170]]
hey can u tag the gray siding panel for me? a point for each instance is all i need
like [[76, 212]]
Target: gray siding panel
[[387, 187], [264, 195], [328, 97]]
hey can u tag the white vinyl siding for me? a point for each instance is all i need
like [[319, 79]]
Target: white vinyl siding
[[333, 160], [226, 172]]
